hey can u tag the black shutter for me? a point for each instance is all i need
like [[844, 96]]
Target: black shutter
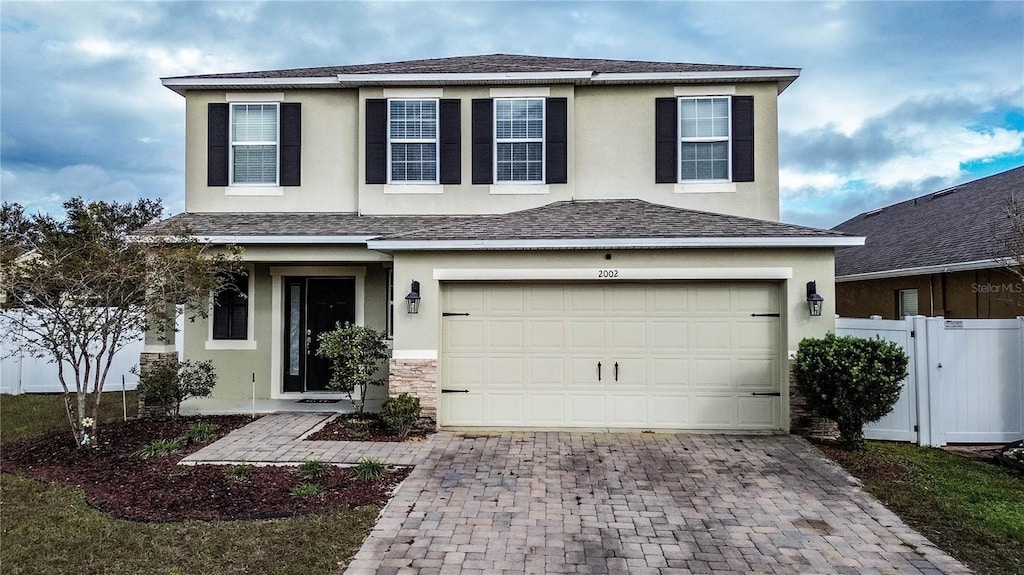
[[450, 142], [556, 141], [231, 310], [743, 138], [666, 145], [483, 141], [291, 143], [377, 141], [217, 145]]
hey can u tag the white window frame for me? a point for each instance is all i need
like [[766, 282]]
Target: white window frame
[[680, 140], [542, 140], [250, 330], [389, 319], [901, 295], [231, 145], [434, 140]]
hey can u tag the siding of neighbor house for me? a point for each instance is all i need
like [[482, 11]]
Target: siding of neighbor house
[[977, 294]]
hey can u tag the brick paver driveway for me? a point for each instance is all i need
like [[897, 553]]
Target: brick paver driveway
[[637, 503]]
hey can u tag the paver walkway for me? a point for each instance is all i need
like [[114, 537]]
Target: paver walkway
[[637, 503], [278, 438]]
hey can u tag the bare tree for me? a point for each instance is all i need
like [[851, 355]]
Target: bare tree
[[1015, 236], [77, 290]]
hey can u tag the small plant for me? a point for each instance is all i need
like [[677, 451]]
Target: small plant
[[313, 469], [240, 471], [201, 432], [159, 448], [850, 380], [357, 354], [306, 490], [369, 469], [400, 414], [168, 383]]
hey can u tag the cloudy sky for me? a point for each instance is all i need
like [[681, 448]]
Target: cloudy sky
[[895, 99]]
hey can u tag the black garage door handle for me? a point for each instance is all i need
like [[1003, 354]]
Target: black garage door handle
[[768, 393], [454, 391]]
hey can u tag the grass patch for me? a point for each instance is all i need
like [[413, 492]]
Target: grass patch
[[972, 510], [33, 414], [49, 529]]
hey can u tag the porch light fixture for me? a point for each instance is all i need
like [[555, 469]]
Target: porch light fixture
[[412, 301], [814, 300]]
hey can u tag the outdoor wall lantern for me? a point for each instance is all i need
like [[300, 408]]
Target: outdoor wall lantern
[[814, 300], [412, 301]]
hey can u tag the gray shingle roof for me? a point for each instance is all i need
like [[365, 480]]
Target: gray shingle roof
[[492, 63], [572, 220], [607, 219], [965, 223]]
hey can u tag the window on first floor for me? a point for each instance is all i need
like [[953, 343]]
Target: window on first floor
[[907, 301], [231, 309]]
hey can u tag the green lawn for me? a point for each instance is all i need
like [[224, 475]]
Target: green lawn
[[50, 529], [972, 510]]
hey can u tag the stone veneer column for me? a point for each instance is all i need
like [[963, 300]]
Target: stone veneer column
[[417, 377], [146, 361]]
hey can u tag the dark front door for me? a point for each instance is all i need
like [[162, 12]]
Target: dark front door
[[312, 306]]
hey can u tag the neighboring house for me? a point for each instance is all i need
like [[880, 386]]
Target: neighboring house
[[942, 254], [595, 243]]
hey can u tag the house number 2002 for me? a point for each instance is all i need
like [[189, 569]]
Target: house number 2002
[[607, 273]]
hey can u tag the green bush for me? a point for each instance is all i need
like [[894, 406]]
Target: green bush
[[357, 354], [850, 380], [307, 490], [158, 448], [400, 414], [168, 383], [239, 471], [313, 469], [201, 432], [369, 469]]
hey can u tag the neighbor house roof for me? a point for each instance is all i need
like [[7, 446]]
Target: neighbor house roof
[[959, 228], [560, 225], [493, 69]]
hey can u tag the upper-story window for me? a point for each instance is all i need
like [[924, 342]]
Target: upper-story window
[[519, 139], [254, 144], [412, 135], [704, 139]]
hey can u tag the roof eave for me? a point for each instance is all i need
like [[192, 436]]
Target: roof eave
[[781, 76], [616, 243], [179, 85], [927, 270]]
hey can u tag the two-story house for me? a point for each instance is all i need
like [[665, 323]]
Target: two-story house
[[584, 243]]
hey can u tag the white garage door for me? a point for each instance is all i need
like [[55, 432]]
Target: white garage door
[[697, 355]]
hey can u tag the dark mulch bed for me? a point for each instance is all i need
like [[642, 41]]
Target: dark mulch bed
[[117, 480], [366, 427]]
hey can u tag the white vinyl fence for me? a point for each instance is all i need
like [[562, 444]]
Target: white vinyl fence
[[966, 382], [21, 373]]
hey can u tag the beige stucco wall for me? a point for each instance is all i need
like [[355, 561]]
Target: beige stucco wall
[[329, 150], [610, 155], [235, 367], [420, 332]]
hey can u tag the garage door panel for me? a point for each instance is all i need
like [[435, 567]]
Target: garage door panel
[[545, 372], [627, 410], [689, 355], [712, 335], [505, 408], [546, 410], [713, 411], [669, 372], [757, 412], [587, 410], [627, 335]]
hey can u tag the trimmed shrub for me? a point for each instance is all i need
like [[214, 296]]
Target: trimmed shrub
[[850, 380], [357, 354], [168, 383], [400, 414]]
